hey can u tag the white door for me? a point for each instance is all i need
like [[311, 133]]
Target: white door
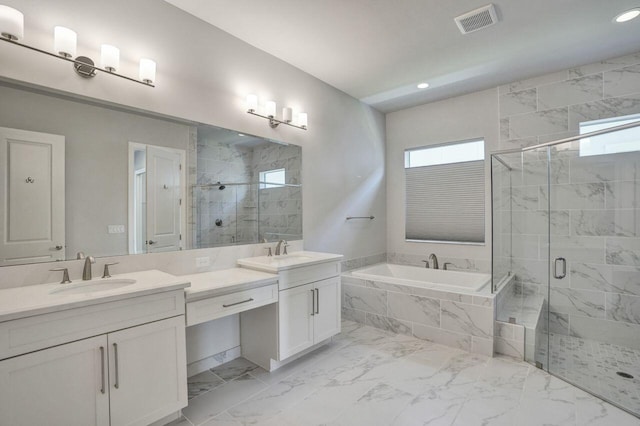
[[163, 199], [31, 197], [295, 320], [147, 372], [58, 386], [326, 321]]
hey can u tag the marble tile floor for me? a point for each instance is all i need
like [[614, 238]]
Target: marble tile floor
[[367, 376], [593, 365]]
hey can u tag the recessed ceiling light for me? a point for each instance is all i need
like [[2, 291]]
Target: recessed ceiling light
[[628, 15], [423, 85]]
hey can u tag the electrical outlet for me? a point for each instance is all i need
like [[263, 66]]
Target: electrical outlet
[[115, 229], [202, 262]]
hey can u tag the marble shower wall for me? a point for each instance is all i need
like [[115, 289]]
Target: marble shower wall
[[595, 201], [280, 209]]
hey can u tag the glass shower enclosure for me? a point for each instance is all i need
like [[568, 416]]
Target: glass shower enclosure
[[566, 256]]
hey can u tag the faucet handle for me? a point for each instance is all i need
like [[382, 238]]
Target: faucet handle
[[269, 252], [285, 245], [106, 273], [65, 274], [426, 263]]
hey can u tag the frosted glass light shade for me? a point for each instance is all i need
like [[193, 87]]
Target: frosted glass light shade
[[11, 23], [270, 109], [287, 114], [147, 70], [65, 42], [252, 103], [302, 119], [110, 57]]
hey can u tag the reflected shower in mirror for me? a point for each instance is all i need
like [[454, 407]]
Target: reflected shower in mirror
[[83, 176], [248, 189]]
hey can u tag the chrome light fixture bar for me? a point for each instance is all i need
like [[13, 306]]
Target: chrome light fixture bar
[[270, 114], [12, 30]]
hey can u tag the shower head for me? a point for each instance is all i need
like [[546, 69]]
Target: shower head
[[221, 186]]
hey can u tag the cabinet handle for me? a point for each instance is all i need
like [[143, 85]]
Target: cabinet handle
[[102, 389], [115, 358], [313, 302], [317, 301], [238, 303]]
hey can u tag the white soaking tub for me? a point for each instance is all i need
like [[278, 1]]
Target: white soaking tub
[[426, 278]]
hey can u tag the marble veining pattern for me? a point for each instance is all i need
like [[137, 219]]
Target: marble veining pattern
[[367, 376]]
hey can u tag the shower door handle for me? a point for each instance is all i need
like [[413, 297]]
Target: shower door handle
[[555, 268]]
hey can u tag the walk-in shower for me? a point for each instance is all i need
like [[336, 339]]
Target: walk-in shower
[[566, 255]]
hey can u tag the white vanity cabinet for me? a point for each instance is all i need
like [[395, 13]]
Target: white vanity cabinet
[[116, 363], [308, 314]]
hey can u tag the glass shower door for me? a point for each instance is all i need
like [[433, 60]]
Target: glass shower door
[[593, 252]]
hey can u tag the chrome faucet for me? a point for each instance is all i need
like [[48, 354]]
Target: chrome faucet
[[86, 272], [434, 260], [280, 244]]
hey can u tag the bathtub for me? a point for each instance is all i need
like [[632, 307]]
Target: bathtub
[[426, 278]]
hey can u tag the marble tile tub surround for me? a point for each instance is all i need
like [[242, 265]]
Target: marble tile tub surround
[[595, 200], [463, 321], [368, 376], [176, 263]]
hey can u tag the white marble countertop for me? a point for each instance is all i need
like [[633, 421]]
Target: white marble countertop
[[216, 283], [298, 259], [20, 302]]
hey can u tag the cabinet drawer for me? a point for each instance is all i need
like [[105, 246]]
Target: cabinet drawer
[[217, 307], [43, 331], [294, 277]]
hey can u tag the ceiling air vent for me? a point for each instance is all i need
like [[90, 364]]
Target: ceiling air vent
[[478, 19]]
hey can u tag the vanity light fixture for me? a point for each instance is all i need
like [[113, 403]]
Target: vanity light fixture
[[627, 15], [65, 43], [270, 113]]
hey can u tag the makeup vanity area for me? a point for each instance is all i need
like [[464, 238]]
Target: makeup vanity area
[[114, 350]]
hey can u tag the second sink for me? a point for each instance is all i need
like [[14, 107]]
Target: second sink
[[92, 286]]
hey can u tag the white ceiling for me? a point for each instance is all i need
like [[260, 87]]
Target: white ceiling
[[378, 50]]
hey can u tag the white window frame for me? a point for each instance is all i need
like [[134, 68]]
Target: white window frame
[[266, 184]]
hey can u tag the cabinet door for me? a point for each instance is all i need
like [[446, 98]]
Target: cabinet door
[[62, 385], [295, 320], [326, 321], [147, 372]]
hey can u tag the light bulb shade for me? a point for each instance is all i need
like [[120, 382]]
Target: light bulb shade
[[110, 57], [65, 42], [252, 103], [302, 119], [270, 109], [287, 114], [11, 23], [147, 70]]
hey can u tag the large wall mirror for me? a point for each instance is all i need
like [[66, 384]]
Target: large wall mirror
[[78, 176]]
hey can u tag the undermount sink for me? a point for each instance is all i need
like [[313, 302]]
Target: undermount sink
[[93, 286]]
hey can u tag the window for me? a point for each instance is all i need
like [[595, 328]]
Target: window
[[445, 193], [272, 178], [610, 143]]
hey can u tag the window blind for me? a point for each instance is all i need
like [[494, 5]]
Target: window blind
[[445, 202]]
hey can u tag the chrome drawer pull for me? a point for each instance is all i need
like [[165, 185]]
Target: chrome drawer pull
[[238, 303]]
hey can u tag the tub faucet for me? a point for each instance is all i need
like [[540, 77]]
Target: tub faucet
[[434, 260], [86, 272]]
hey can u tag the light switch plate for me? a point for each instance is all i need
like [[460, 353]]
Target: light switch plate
[[202, 262]]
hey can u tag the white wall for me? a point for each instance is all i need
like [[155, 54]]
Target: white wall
[[204, 75], [456, 119]]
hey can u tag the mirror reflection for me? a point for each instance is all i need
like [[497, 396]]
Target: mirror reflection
[[78, 176]]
